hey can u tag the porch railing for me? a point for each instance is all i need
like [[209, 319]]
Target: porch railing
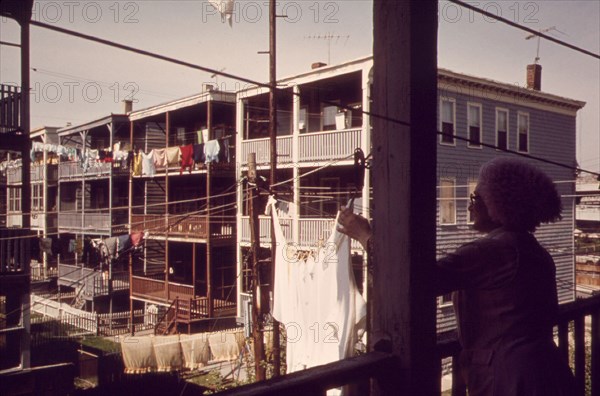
[[72, 169], [14, 251], [94, 282], [10, 108], [310, 230], [100, 222], [184, 225], [262, 149], [313, 147], [327, 146], [384, 367]]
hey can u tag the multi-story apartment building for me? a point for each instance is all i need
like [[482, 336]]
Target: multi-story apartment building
[[183, 198], [92, 209], [478, 119]]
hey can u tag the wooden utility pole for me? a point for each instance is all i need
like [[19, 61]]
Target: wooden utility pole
[[404, 193], [273, 163], [257, 326]]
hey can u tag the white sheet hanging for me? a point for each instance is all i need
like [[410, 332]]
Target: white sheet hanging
[[317, 301]]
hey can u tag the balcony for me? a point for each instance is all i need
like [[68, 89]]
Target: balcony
[[95, 222], [10, 108], [587, 213], [262, 148], [94, 283], [311, 231], [184, 226], [313, 147], [14, 252], [154, 288], [74, 170]]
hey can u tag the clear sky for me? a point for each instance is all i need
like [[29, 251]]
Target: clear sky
[[77, 81]]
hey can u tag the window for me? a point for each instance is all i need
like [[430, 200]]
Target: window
[[448, 119], [502, 129], [523, 132], [37, 199], [474, 116], [470, 190], [329, 114], [446, 299], [14, 199], [303, 119], [447, 202]]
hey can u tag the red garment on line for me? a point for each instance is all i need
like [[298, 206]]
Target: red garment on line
[[187, 157]]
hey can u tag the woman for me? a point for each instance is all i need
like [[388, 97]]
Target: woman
[[504, 285]]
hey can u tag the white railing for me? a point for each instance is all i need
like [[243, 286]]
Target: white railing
[[74, 169], [314, 230], [262, 149], [265, 229], [37, 173], [327, 146], [588, 213], [69, 169], [91, 221], [14, 175]]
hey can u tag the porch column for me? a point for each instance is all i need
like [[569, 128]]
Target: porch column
[[167, 221], [296, 162], [208, 238], [240, 200], [404, 148]]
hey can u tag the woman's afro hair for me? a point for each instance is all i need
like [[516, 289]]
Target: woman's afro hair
[[518, 195]]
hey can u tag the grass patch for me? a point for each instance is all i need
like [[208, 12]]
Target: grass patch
[[101, 343]]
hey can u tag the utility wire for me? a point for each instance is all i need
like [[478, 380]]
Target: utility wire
[[518, 26]]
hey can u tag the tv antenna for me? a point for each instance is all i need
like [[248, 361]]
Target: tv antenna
[[216, 76], [550, 29], [329, 37]]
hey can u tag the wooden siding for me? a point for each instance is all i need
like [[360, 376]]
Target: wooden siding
[[551, 136]]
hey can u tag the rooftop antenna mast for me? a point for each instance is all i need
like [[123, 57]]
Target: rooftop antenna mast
[[216, 76], [537, 54], [329, 37]]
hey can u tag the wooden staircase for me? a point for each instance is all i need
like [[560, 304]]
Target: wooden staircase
[[181, 311]]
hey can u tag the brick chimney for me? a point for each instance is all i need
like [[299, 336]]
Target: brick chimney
[[534, 77], [127, 106]]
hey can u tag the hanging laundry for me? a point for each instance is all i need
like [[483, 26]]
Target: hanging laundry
[[211, 151], [199, 137], [46, 246], [187, 158], [167, 351], [173, 154], [199, 153], [224, 150], [123, 243], [160, 158], [320, 289], [71, 246], [138, 354], [148, 168], [196, 351], [137, 164], [111, 246], [136, 238]]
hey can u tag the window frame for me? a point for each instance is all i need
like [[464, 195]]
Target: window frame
[[524, 114], [441, 122], [503, 110], [480, 107], [14, 200], [471, 185], [453, 201]]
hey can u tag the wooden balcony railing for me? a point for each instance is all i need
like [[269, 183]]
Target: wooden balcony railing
[[10, 108], [14, 175], [313, 147], [310, 230], [14, 251], [384, 367], [95, 283], [262, 149], [186, 226], [96, 220], [327, 146], [73, 169]]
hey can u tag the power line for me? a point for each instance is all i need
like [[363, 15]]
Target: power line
[[519, 26]]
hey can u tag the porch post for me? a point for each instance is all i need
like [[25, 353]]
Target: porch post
[[167, 220], [404, 177]]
